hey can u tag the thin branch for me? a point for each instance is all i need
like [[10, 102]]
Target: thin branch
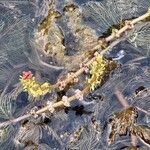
[[14, 121], [76, 74], [42, 110], [128, 25], [142, 110], [121, 99], [133, 140]]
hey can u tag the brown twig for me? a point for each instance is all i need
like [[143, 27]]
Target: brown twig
[[76, 74], [128, 25], [142, 110], [13, 121], [42, 110], [121, 99]]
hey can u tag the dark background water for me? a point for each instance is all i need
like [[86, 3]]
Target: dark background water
[[18, 23]]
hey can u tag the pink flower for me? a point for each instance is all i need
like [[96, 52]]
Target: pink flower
[[27, 75]]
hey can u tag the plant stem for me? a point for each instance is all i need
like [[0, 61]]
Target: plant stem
[[121, 99], [142, 110], [14, 121], [107, 39], [42, 110], [127, 27]]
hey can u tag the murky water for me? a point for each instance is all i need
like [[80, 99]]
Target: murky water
[[50, 39]]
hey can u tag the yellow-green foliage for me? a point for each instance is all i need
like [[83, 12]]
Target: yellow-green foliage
[[33, 88], [97, 69]]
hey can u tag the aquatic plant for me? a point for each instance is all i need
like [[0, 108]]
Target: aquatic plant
[[97, 70], [73, 75], [30, 85]]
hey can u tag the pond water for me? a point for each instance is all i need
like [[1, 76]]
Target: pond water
[[47, 39]]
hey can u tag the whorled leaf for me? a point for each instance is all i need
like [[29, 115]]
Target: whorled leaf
[[31, 134], [8, 101], [3, 133], [127, 9], [6, 137], [1, 25], [13, 44]]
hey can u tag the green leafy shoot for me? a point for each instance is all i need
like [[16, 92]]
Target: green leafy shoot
[[97, 70]]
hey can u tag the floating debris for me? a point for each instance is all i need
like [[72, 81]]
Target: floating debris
[[121, 123], [143, 132]]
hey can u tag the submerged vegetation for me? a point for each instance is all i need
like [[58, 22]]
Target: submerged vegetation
[[69, 79], [97, 70], [32, 87]]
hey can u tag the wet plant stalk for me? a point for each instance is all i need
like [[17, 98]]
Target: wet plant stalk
[[127, 26], [14, 121], [121, 99], [77, 73], [142, 110], [42, 110]]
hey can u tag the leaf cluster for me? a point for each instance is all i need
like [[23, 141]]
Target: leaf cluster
[[97, 70], [33, 88]]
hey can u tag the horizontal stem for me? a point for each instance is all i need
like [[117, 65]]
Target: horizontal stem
[[142, 110], [42, 110]]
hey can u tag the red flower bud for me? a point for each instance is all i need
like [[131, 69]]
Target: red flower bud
[[27, 75]]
